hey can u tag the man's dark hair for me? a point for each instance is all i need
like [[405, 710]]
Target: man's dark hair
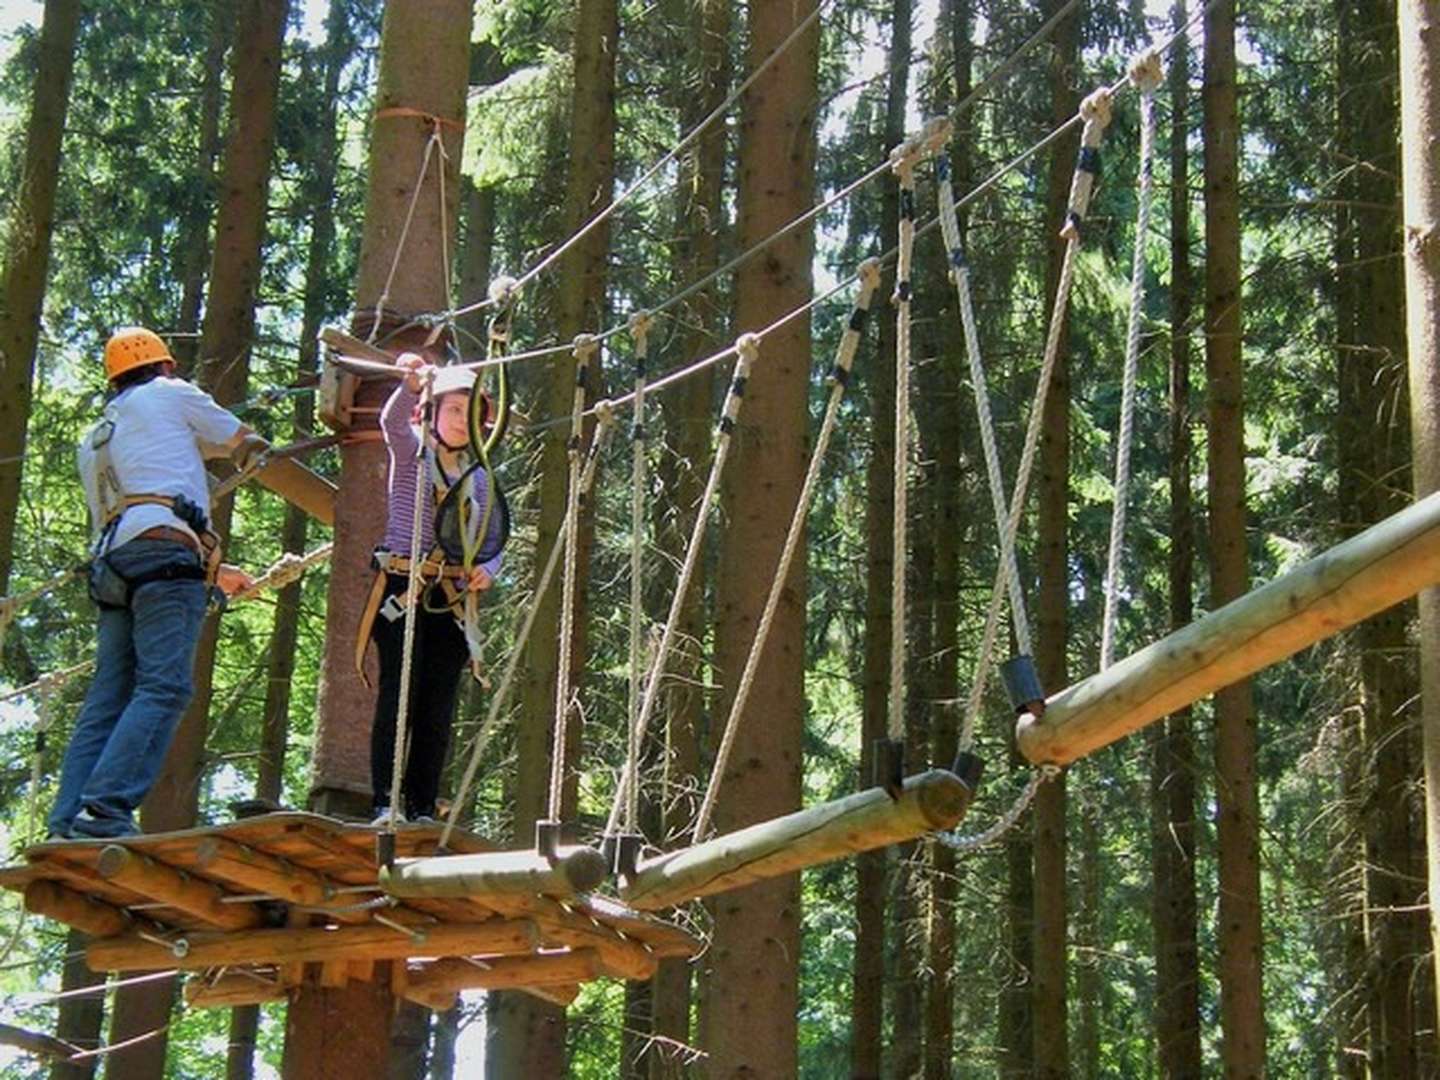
[[135, 376]]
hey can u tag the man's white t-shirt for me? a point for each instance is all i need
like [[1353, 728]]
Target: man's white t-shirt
[[163, 431]]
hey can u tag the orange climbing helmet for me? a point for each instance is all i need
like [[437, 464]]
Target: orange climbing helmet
[[131, 347]]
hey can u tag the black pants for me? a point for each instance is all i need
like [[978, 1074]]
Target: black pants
[[440, 654]]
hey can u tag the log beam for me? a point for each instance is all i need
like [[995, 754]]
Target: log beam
[[319, 944], [869, 819], [236, 988], [140, 873], [258, 872], [300, 486], [496, 873], [1387, 563], [505, 972], [54, 901]]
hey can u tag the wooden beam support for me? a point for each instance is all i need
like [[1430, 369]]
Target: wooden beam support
[[54, 901], [563, 996], [300, 486], [139, 873], [316, 944], [1383, 565], [496, 873], [505, 972], [235, 988], [869, 819], [620, 957], [257, 872]]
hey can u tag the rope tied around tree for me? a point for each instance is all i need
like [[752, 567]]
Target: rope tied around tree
[[585, 347], [640, 325], [747, 349], [1146, 74], [838, 379]]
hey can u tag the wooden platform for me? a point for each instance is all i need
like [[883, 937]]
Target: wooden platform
[[256, 907]]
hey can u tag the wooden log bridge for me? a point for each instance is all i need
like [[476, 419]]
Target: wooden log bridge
[[869, 819], [255, 908], [1382, 566]]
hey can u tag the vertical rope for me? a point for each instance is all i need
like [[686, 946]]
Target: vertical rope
[[747, 347], [904, 166], [404, 234], [960, 276], [1095, 111], [640, 324], [585, 348], [1147, 75], [839, 379], [412, 599], [604, 424]]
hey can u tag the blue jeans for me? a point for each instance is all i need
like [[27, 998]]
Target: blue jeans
[[141, 686]]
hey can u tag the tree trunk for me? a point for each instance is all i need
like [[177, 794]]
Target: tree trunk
[[1419, 24], [80, 1017], [193, 248], [284, 636], [27, 255], [756, 940], [868, 981], [424, 62], [526, 1036], [688, 411], [1052, 486], [1172, 772], [224, 370], [1237, 798]]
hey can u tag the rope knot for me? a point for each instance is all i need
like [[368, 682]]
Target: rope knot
[[1095, 109], [1146, 72], [604, 411], [747, 347], [640, 324], [586, 345], [869, 273], [936, 133]]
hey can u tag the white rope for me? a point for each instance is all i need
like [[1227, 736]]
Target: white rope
[[604, 424], [747, 348], [412, 598], [1146, 75], [585, 348], [286, 570], [404, 232], [839, 378], [1006, 821], [1095, 111], [960, 275], [640, 324], [674, 153]]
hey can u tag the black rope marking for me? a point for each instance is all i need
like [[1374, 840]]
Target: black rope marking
[[737, 387], [907, 204], [958, 260], [942, 167], [637, 433], [858, 317], [1075, 220], [839, 374], [1089, 160], [726, 425], [902, 291]]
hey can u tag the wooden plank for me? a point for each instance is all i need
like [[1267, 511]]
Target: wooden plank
[[664, 939], [202, 899], [256, 872], [231, 989], [500, 873], [869, 819], [55, 901], [316, 944], [300, 486], [1385, 564], [506, 972]]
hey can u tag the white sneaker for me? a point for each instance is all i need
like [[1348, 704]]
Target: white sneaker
[[387, 818]]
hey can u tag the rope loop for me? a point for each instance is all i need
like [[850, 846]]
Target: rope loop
[[640, 324], [603, 411], [585, 346], [1096, 110], [869, 274], [1146, 72], [748, 348]]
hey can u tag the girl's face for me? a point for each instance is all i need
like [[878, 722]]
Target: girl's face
[[452, 421]]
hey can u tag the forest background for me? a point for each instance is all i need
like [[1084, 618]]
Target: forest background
[[1089, 939]]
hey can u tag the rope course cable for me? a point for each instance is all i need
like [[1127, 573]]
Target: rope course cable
[[839, 379], [640, 324], [605, 422], [585, 349], [747, 348], [1146, 74]]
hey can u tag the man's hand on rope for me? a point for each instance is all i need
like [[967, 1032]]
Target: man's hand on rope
[[248, 451], [232, 579], [479, 580]]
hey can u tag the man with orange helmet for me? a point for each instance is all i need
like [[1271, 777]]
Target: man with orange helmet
[[153, 562]]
